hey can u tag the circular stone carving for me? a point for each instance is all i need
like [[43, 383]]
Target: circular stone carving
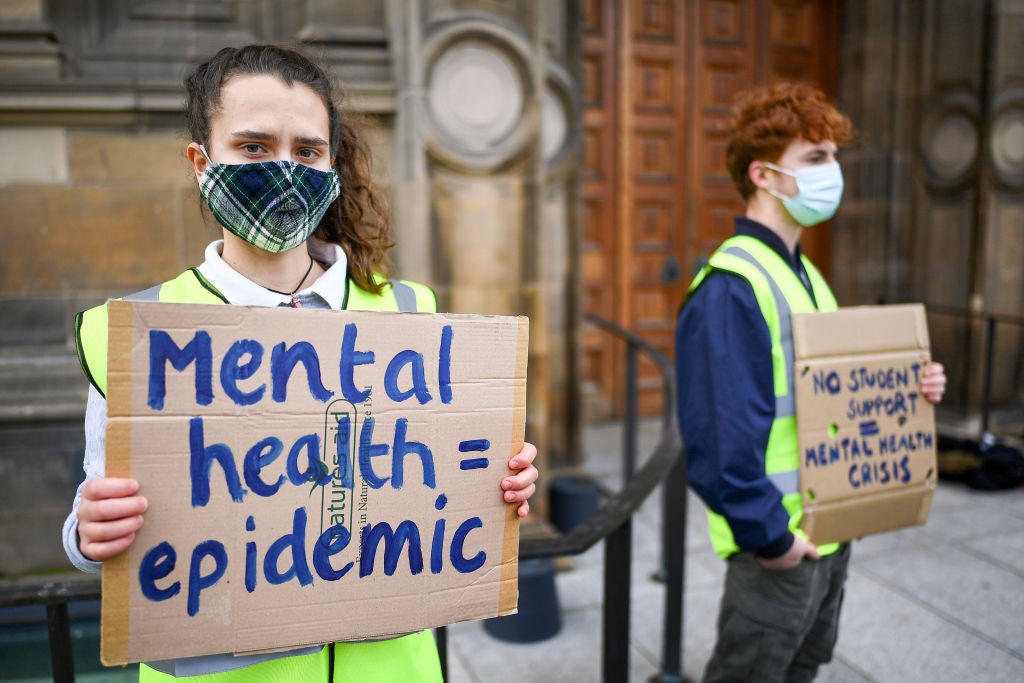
[[1007, 147], [476, 97], [950, 142], [953, 146], [554, 128], [559, 109]]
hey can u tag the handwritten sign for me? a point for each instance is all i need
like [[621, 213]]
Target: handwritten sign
[[312, 476], [867, 435]]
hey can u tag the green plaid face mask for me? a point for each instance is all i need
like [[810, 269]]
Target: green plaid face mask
[[273, 205]]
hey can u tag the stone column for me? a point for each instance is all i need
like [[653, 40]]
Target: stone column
[[484, 177]]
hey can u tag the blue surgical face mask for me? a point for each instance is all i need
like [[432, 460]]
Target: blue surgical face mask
[[819, 189]]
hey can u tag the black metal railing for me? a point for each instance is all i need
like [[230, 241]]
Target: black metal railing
[[612, 523], [54, 594]]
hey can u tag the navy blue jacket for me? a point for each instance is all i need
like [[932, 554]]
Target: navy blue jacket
[[726, 401]]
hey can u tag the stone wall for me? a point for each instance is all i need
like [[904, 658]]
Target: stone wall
[[90, 213]]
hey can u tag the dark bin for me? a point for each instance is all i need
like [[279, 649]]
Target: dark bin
[[573, 499], [539, 616]]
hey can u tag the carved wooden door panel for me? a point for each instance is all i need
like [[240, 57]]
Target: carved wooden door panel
[[598, 248], [659, 77], [740, 44]]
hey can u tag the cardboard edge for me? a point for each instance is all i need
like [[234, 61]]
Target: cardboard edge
[[922, 329], [908, 506], [912, 325], [115, 632], [508, 592], [119, 315]]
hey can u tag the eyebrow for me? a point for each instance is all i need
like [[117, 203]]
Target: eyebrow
[[253, 135], [819, 151], [315, 141]]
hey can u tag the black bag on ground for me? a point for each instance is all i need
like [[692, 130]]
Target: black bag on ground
[[980, 466], [1002, 467]]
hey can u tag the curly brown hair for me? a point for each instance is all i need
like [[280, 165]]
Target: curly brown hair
[[766, 120], [358, 220]]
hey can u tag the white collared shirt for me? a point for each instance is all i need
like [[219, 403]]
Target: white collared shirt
[[327, 291]]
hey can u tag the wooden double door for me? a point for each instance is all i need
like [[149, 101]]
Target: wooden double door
[[659, 77]]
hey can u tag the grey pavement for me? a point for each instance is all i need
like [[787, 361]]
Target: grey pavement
[[940, 603]]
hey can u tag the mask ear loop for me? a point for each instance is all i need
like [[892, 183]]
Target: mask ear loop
[[772, 166], [203, 150], [779, 169]]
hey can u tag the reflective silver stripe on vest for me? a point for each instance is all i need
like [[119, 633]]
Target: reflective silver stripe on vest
[[404, 295], [151, 294], [786, 482], [785, 405]]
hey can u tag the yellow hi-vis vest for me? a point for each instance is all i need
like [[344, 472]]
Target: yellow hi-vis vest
[[408, 659], [192, 288], [779, 292]]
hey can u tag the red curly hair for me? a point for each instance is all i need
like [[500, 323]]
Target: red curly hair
[[766, 120]]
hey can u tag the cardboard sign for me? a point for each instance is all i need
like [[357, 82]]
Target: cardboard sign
[[867, 435], [312, 476]]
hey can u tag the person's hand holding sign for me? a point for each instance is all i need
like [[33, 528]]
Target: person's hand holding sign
[[933, 382], [520, 486], [108, 517]]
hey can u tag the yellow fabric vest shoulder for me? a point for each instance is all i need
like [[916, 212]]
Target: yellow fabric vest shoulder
[[779, 292], [411, 658]]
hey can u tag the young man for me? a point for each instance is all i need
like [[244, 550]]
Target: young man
[[779, 613]]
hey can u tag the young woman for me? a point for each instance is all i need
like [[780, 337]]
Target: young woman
[[287, 178]]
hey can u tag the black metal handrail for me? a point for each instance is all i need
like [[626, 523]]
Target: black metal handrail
[[54, 594], [612, 522]]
